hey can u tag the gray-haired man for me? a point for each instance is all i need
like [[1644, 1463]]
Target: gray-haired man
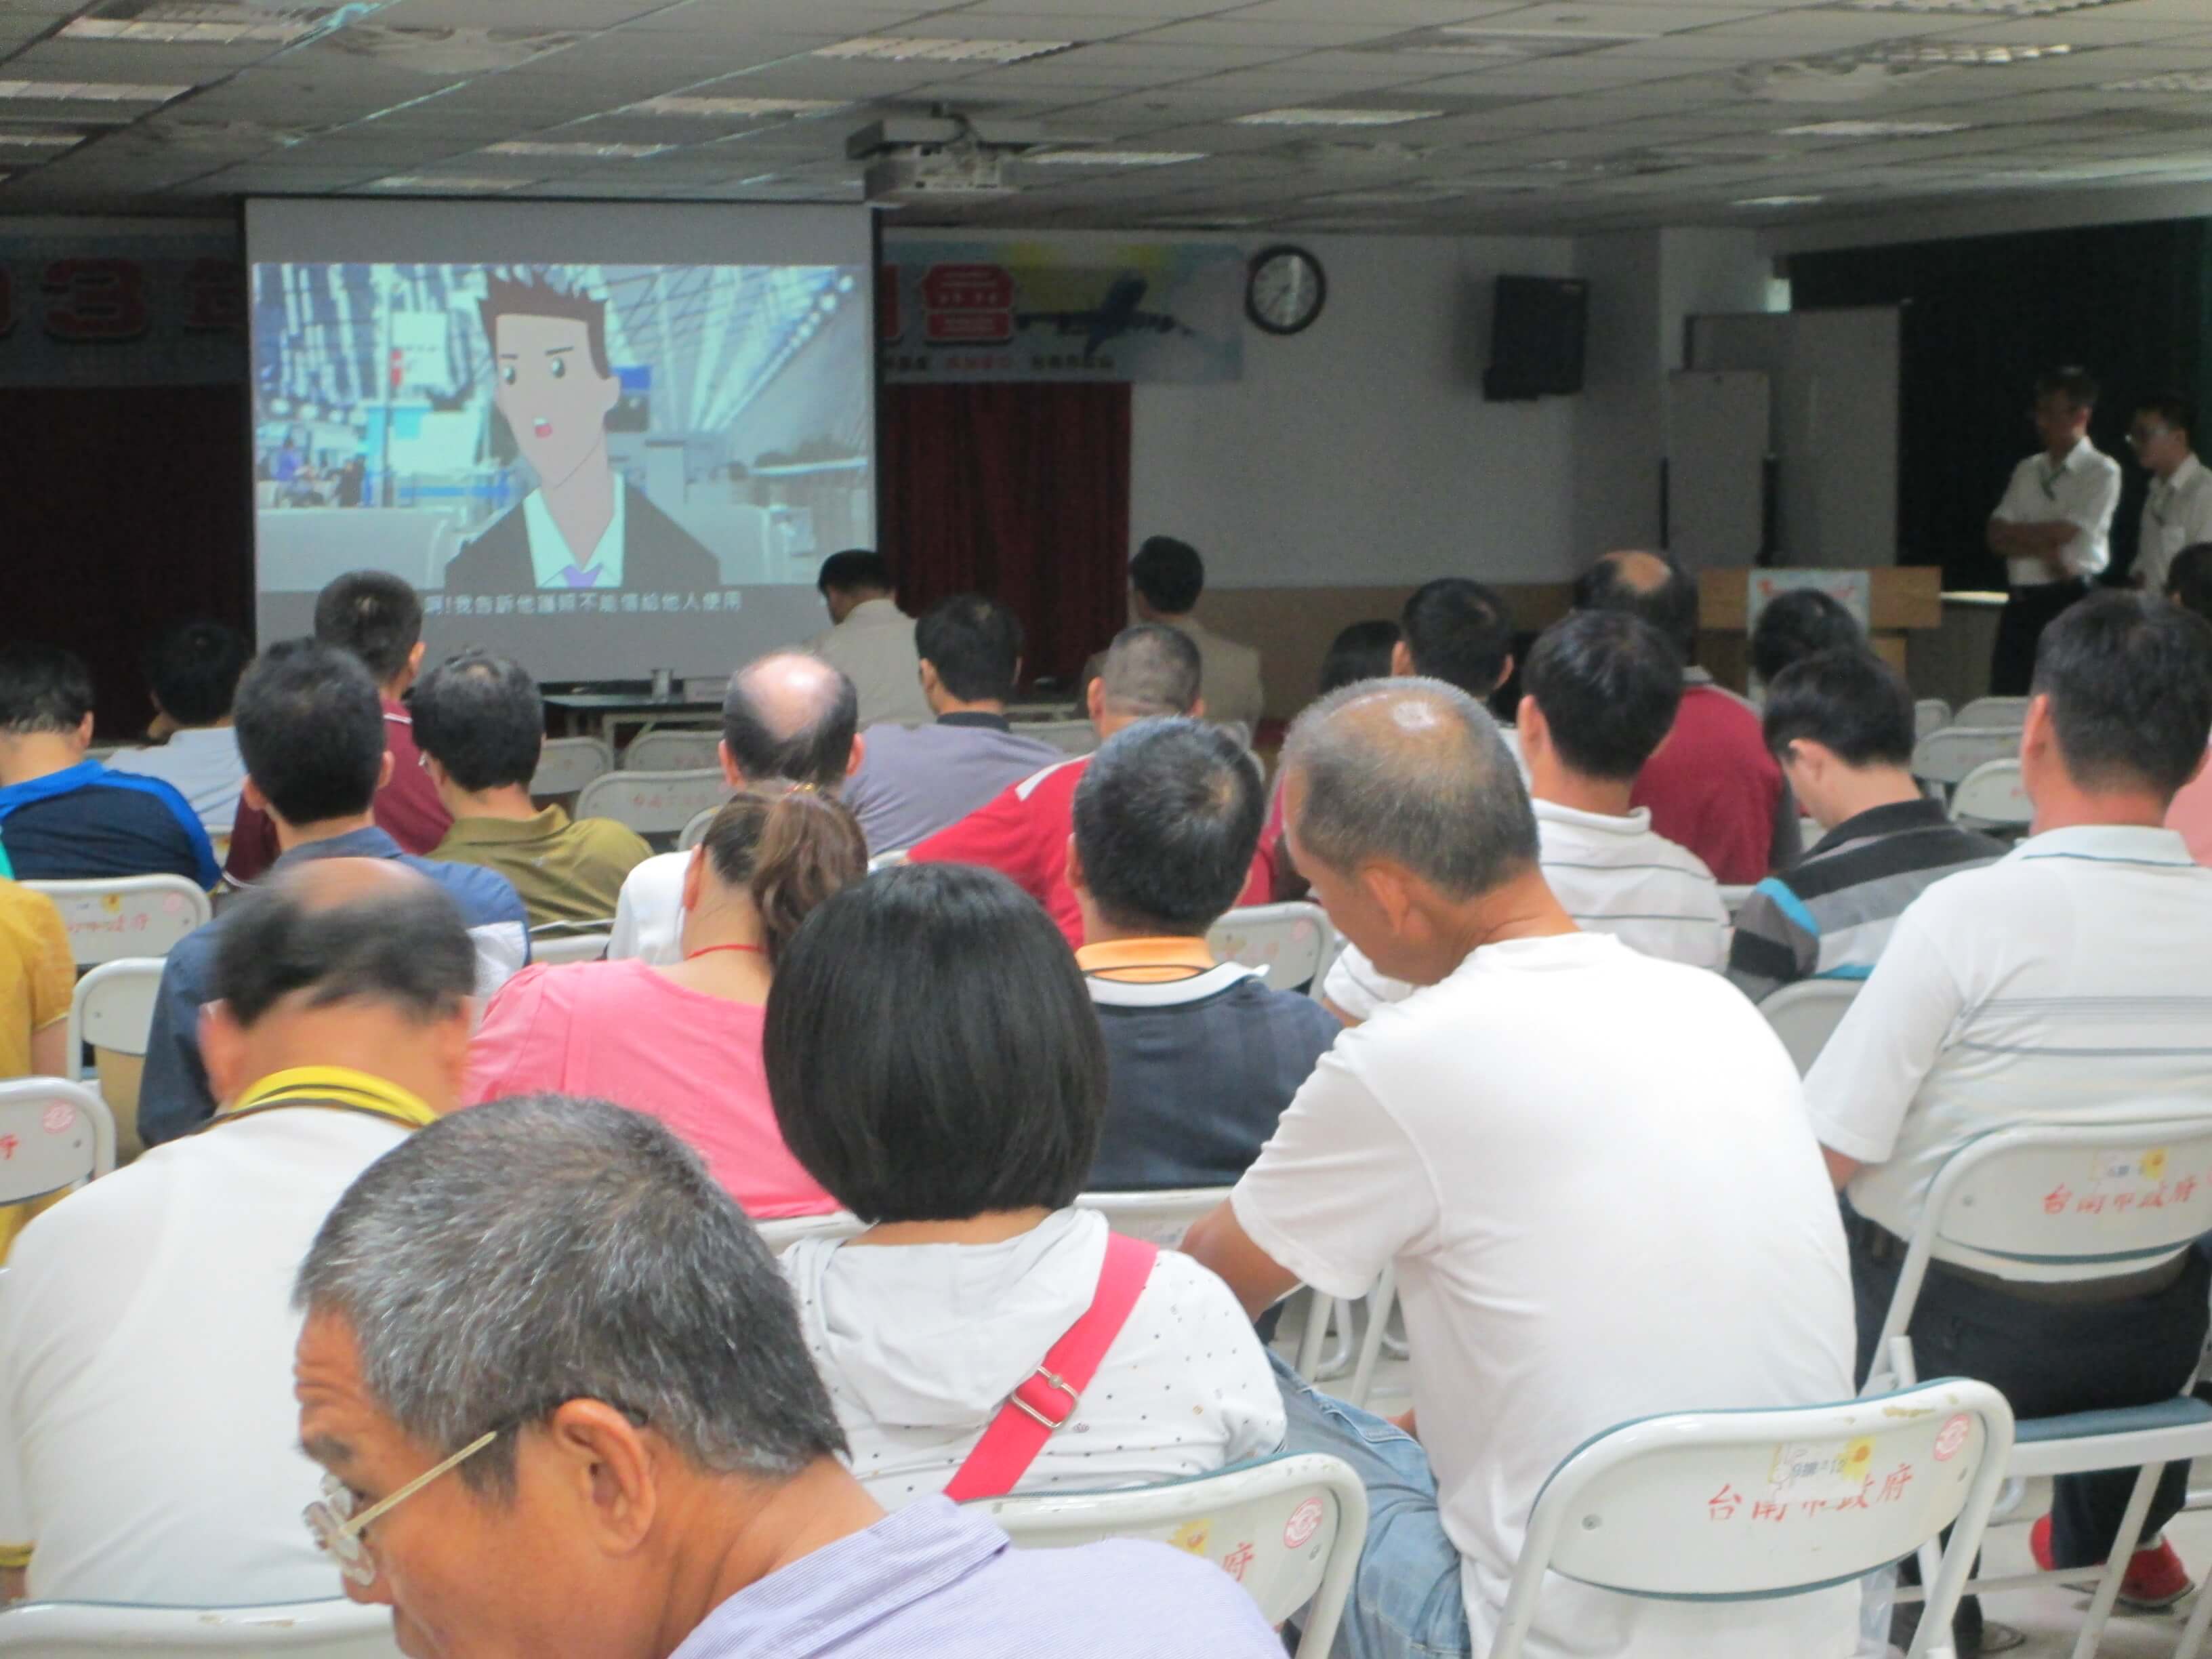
[[1564, 1146], [559, 1385]]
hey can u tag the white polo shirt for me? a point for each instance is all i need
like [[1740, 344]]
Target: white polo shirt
[[1594, 1173], [1613, 875], [874, 645], [2176, 512], [2069, 982], [649, 914], [2083, 489], [204, 765]]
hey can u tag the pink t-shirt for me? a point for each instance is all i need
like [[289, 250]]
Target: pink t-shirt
[[622, 1031], [2192, 814]]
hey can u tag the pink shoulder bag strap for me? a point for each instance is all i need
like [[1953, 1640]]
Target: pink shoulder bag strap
[[1047, 1396]]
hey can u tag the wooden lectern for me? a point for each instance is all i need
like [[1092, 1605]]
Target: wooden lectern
[[1902, 599]]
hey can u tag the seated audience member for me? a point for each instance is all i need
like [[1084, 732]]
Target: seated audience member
[[37, 978], [1200, 1058], [2188, 585], [1166, 580], [1712, 786], [64, 816], [314, 743], [1460, 632], [1840, 723], [480, 724], [683, 1042], [870, 640], [1599, 692], [193, 671], [2066, 983], [644, 1425], [916, 780], [1796, 624], [147, 1446], [379, 618], [787, 716], [1360, 651], [1149, 671], [1543, 1186], [961, 1132]]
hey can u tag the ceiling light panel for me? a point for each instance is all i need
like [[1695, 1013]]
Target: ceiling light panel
[[1874, 129], [2198, 81], [185, 32], [1296, 117], [582, 150], [745, 108], [90, 92], [910, 49], [469, 182], [42, 141], [1778, 201], [1940, 54], [1113, 158]]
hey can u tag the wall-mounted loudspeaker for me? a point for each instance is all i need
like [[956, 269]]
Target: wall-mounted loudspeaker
[[1536, 327]]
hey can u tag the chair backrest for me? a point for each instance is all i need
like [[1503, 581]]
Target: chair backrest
[[126, 915], [338, 1629], [566, 764], [114, 1008], [695, 831], [1161, 1218], [1991, 797], [1744, 1505], [1071, 736], [1930, 714], [558, 948], [2010, 712], [1288, 1528], [2067, 1200], [54, 1135], [781, 1235], [1948, 756], [1290, 944], [653, 803], [1805, 1015], [672, 751]]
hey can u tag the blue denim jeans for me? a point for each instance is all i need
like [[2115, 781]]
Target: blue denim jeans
[[1406, 1601]]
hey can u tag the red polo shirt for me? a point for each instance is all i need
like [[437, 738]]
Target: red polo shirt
[[1023, 834], [1713, 788], [407, 809]]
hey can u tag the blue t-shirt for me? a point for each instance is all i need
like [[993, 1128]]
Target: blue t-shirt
[[84, 822]]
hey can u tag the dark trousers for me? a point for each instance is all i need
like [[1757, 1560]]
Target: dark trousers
[[2027, 612]]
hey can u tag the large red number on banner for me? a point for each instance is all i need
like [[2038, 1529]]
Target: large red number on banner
[[96, 299], [215, 295]]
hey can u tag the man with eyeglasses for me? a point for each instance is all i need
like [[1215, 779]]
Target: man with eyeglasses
[[147, 1449], [2178, 508], [558, 1384], [2053, 526]]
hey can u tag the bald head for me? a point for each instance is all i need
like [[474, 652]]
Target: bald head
[[1150, 670], [790, 715], [1411, 772], [1647, 585]]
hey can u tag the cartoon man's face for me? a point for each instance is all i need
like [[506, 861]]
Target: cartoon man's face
[[554, 399]]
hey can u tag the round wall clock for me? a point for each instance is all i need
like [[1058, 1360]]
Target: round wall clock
[[1285, 288]]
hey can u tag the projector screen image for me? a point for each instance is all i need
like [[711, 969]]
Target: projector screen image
[[595, 468]]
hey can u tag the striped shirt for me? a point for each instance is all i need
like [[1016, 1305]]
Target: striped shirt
[[2066, 983], [1829, 916]]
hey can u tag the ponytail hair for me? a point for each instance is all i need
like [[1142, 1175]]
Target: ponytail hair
[[789, 847]]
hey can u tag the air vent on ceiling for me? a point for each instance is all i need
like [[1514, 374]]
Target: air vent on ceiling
[[1803, 81], [456, 51], [177, 132]]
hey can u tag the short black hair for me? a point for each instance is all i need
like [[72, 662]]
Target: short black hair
[[404, 944], [2176, 411], [984, 1093], [1845, 699], [524, 295], [1671, 607], [973, 643], [1169, 574], [2189, 579], [1359, 652], [375, 615], [43, 688], [1167, 819], [2129, 680], [856, 570], [1796, 624], [193, 669], [816, 753], [480, 717], [2070, 381], [311, 731], [1608, 684], [1460, 632]]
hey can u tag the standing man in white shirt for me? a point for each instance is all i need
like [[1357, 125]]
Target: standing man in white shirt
[[871, 639], [1563, 1147], [2068, 983], [2178, 508], [2053, 526]]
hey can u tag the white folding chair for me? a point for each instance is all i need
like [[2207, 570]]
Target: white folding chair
[[781, 1235], [2009, 711], [113, 1013], [695, 831], [54, 1135], [1930, 714], [2053, 1200], [672, 751], [1161, 1218], [1733, 897], [1291, 944], [1948, 756], [1071, 736], [337, 1629], [556, 949], [1805, 1015], [653, 803], [127, 915], [1289, 1528], [566, 764], [1754, 1505], [1991, 797]]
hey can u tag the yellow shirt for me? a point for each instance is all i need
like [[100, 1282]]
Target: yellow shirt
[[38, 975]]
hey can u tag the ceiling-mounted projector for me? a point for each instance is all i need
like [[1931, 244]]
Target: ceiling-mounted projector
[[927, 158]]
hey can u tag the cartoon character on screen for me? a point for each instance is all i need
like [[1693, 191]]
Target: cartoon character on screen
[[584, 527]]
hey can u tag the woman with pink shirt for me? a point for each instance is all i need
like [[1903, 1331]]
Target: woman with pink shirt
[[683, 1043]]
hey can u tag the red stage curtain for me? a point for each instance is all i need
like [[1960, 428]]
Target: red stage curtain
[[1019, 491]]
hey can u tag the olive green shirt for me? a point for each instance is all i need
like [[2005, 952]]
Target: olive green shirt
[[565, 870]]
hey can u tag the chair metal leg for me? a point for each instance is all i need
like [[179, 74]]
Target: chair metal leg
[[2123, 1546], [2200, 1619], [1380, 1301]]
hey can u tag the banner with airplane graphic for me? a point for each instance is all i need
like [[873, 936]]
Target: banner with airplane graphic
[[1037, 310]]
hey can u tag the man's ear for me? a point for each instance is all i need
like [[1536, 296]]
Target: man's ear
[[930, 683], [385, 767], [250, 793], [731, 775], [1094, 699], [860, 751], [604, 1469], [1402, 660], [84, 733], [1386, 887], [414, 661], [1504, 673], [2037, 735], [222, 1052], [1529, 720], [1075, 881]]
